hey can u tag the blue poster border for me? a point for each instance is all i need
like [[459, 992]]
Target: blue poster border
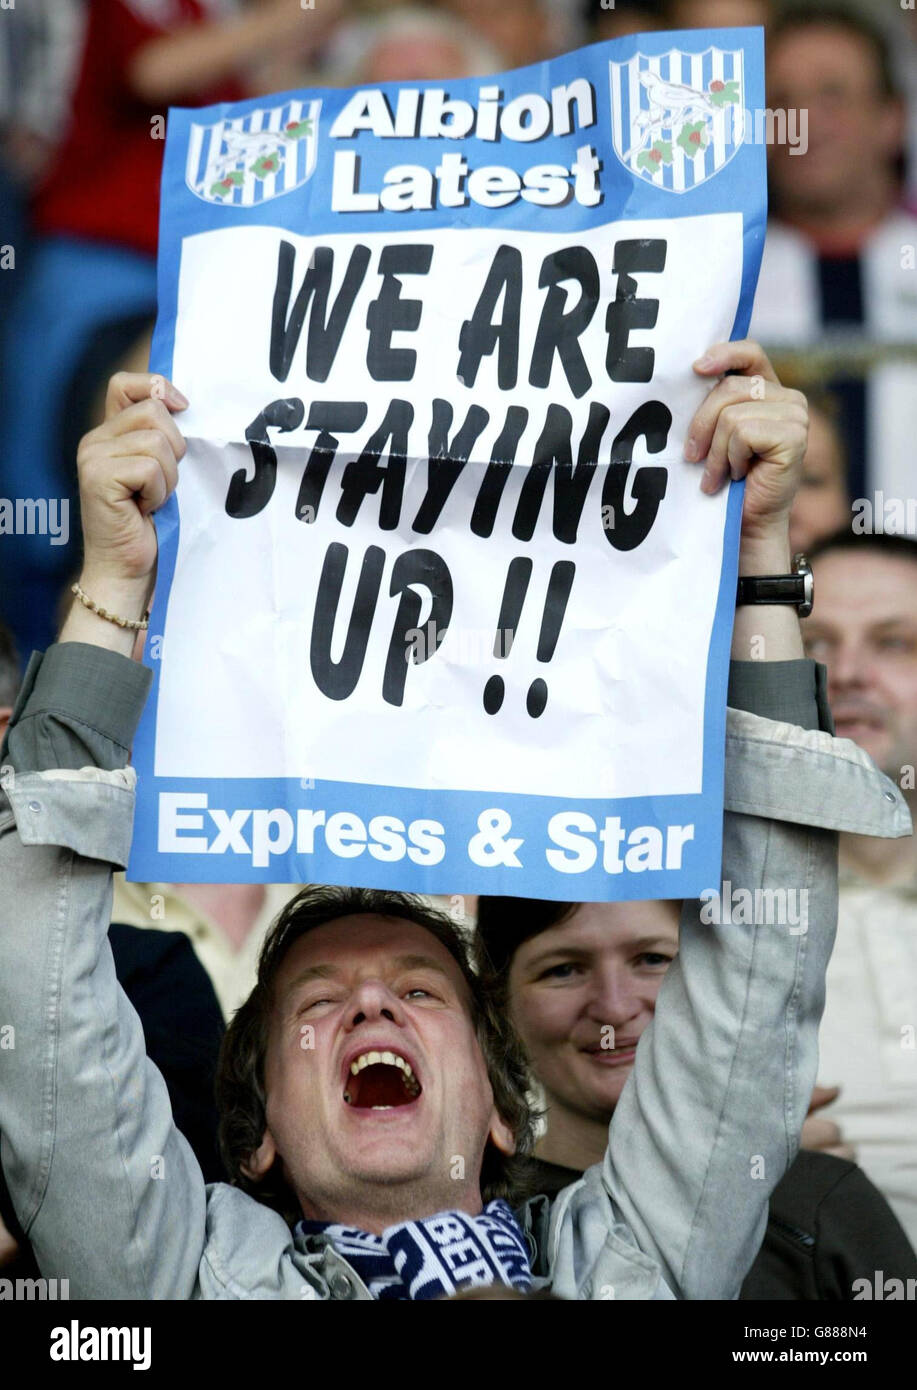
[[184, 214]]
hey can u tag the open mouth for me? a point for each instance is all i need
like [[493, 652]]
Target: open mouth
[[381, 1081]]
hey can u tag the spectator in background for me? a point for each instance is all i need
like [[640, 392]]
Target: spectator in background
[[836, 254], [580, 981], [96, 214], [226, 924], [822, 504], [39, 45], [625, 17], [519, 29], [409, 43], [718, 14], [864, 629]]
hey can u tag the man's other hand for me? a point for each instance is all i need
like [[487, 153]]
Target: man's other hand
[[749, 426], [128, 468]]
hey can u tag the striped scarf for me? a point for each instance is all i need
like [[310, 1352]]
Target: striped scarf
[[435, 1257]]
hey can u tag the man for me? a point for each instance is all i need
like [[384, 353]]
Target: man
[[864, 629], [360, 1085], [408, 43], [839, 247], [581, 982], [523, 31]]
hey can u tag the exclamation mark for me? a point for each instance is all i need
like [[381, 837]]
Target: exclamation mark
[[559, 586], [514, 592]]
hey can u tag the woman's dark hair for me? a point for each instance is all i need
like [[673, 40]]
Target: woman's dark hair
[[503, 925], [241, 1093]]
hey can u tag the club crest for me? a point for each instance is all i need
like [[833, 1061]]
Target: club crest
[[252, 159], [678, 119]]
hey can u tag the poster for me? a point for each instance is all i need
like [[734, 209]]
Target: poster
[[440, 606]]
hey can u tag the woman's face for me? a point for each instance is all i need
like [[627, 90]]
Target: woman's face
[[581, 994]]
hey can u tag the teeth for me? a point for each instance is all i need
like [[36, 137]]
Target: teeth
[[390, 1059], [383, 1107]]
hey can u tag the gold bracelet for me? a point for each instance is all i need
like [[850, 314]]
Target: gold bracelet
[[134, 624]]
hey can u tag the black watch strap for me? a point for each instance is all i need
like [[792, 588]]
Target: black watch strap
[[796, 589]]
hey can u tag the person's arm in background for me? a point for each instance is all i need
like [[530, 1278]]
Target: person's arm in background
[[104, 1187], [710, 1117], [199, 56]]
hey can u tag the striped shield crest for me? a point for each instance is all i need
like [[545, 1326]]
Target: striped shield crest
[[251, 159], [678, 118]]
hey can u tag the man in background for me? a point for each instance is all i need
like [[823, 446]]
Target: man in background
[[836, 272], [864, 629]]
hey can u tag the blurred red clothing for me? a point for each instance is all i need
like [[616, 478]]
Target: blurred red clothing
[[104, 181]]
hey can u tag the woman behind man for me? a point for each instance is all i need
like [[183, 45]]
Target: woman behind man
[[580, 981]]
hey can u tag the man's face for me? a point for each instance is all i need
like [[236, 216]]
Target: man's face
[[408, 60], [831, 73], [718, 14], [864, 629], [379, 1140], [601, 967], [516, 28]]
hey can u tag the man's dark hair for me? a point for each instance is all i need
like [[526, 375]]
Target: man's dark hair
[[9, 666], [241, 1091], [890, 545], [826, 16]]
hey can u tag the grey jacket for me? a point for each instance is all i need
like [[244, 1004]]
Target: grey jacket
[[109, 1192]]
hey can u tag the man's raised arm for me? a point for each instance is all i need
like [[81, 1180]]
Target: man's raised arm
[[106, 1189], [711, 1115]]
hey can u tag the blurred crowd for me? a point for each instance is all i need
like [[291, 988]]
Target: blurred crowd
[[83, 84]]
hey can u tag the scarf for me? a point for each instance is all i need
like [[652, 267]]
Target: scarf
[[434, 1257]]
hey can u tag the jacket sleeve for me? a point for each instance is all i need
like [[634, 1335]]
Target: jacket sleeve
[[711, 1115], [829, 1231], [858, 1235], [105, 1187]]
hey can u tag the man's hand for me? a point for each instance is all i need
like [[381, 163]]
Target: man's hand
[[128, 467], [821, 1135], [751, 427]]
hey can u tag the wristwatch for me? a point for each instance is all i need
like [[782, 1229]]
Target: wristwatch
[[797, 588]]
